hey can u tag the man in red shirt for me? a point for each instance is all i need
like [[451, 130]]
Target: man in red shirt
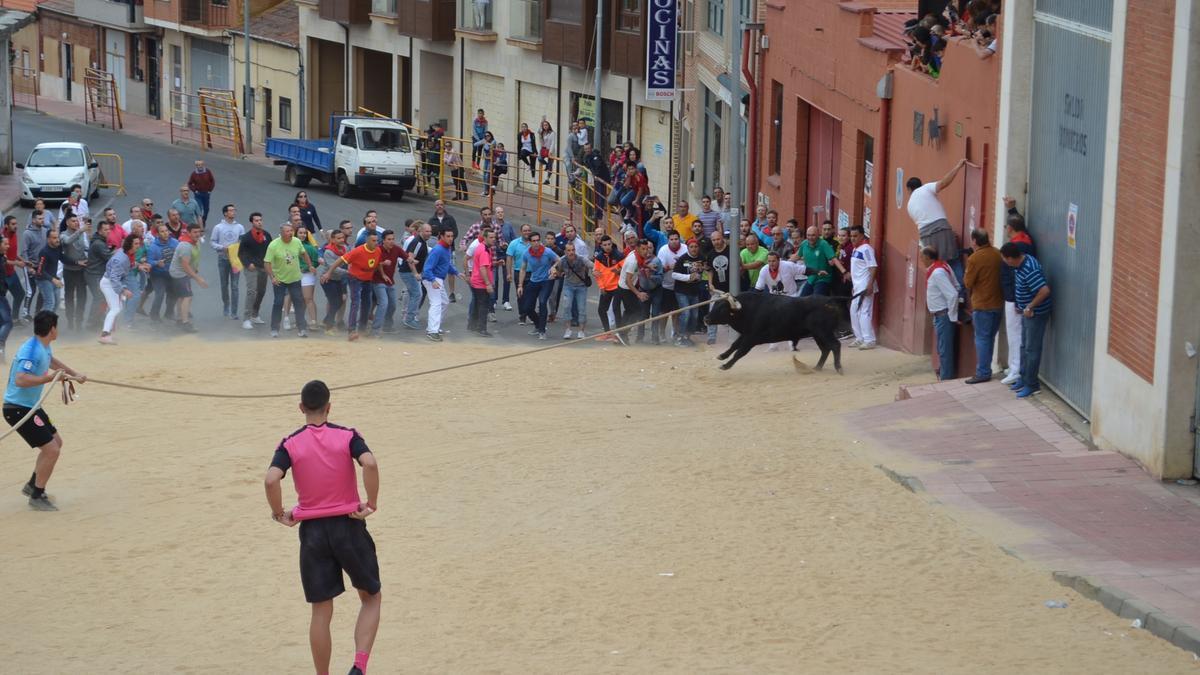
[[385, 284], [202, 182], [481, 283], [361, 262], [333, 528]]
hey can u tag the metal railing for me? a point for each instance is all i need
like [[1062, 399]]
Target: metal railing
[[552, 193], [100, 99], [112, 171], [25, 86], [209, 119], [204, 13]]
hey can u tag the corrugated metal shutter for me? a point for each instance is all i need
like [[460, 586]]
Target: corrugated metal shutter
[[1070, 104], [209, 63], [1092, 13]]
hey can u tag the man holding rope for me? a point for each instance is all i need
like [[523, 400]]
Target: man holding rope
[[33, 366], [333, 531]]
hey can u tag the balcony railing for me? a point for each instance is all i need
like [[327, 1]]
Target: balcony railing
[[525, 20], [475, 16], [205, 13]]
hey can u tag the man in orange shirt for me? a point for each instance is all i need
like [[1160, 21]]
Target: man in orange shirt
[[683, 221], [361, 262]]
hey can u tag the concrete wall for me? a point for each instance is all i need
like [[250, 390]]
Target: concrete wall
[[274, 67]]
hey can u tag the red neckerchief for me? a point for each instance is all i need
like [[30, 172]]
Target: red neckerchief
[[937, 264], [338, 250], [626, 251], [775, 274], [443, 243], [184, 237], [1021, 238], [641, 261], [537, 251], [258, 235], [677, 247]]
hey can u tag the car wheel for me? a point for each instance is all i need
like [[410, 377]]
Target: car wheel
[[294, 178], [343, 185], [397, 195]]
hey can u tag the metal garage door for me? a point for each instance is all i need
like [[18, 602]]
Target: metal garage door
[[1066, 171], [209, 65]]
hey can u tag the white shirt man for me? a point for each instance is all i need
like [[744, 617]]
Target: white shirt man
[[863, 269], [668, 256], [80, 208], [779, 277], [941, 292], [226, 233]]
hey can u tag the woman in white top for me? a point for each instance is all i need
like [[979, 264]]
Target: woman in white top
[[527, 149], [549, 148]]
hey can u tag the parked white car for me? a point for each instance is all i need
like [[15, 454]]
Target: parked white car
[[53, 169]]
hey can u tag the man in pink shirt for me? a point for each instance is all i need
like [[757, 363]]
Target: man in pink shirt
[[481, 282], [333, 531]]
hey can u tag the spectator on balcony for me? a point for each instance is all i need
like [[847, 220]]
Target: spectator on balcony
[[527, 149], [481, 15]]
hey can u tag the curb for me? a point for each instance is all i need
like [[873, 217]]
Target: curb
[[1181, 634]]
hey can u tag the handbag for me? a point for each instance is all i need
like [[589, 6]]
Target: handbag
[[543, 152]]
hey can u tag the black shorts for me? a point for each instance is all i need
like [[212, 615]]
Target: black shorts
[[37, 430], [329, 546], [181, 288]]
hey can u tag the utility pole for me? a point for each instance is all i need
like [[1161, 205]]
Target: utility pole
[[248, 89], [599, 54], [734, 149]]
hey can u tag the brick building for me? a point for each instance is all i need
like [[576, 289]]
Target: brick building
[[1102, 146]]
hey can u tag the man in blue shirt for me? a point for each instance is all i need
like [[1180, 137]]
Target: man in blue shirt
[[33, 366], [1034, 303], [438, 266], [533, 287], [516, 257]]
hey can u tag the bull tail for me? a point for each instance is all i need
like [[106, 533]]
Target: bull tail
[[848, 298]]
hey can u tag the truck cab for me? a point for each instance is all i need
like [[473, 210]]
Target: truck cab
[[362, 153]]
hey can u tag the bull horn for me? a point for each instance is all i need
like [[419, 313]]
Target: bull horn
[[733, 303]]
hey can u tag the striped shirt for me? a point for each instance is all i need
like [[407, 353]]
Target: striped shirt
[[1029, 280]]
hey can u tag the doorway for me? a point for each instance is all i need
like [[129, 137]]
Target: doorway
[[68, 67], [153, 81], [268, 103]]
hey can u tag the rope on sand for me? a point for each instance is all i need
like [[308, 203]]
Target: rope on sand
[[68, 395], [396, 378]]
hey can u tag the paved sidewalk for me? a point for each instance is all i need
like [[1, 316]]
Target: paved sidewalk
[[1106, 527]]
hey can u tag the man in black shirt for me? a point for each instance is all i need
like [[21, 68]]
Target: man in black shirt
[[717, 263], [689, 279]]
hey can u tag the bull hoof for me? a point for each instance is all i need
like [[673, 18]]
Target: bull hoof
[[726, 366], [800, 366], [840, 371]]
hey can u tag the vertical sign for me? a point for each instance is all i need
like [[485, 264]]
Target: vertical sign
[[660, 50], [1072, 220]]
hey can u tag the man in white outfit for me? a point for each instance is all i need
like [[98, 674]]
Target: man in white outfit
[[863, 270]]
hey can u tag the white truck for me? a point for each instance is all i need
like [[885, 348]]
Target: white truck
[[362, 153]]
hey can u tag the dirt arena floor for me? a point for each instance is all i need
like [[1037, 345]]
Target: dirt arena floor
[[585, 510]]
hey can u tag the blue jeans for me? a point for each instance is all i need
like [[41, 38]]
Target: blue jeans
[[385, 306], [282, 291], [413, 286], [538, 302], [577, 296], [1032, 332], [943, 327], [361, 295], [202, 199], [13, 284], [6, 320], [48, 294], [689, 321], [987, 324], [818, 288], [134, 284], [229, 285], [334, 290], [652, 308]]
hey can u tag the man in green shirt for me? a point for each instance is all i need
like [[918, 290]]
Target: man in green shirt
[[282, 263], [754, 258], [819, 257]]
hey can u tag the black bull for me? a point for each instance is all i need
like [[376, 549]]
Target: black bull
[[760, 318]]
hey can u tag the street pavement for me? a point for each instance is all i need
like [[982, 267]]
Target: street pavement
[[156, 169]]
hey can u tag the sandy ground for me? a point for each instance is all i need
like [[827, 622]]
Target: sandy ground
[[586, 510]]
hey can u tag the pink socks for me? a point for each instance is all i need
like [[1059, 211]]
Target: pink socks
[[360, 660]]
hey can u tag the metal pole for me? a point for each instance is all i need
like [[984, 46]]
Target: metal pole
[[248, 89], [599, 43], [735, 159]]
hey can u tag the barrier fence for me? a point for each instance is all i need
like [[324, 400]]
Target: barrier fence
[[112, 171], [25, 86], [554, 192], [100, 99], [209, 119]]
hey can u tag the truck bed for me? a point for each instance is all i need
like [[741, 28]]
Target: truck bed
[[313, 154]]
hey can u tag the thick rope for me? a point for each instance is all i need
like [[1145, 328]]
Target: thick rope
[[396, 378], [68, 395]]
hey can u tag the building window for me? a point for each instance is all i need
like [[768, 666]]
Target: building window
[[716, 16], [135, 58], [476, 15], [285, 113], [525, 22], [776, 128], [631, 16], [689, 25], [383, 7], [712, 140]]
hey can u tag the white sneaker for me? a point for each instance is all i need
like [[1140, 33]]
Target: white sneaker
[[492, 317], [274, 333], [567, 335], [287, 325], [507, 307], [257, 320], [856, 344], [867, 345], [1013, 376], [541, 336], [580, 335], [247, 325]]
